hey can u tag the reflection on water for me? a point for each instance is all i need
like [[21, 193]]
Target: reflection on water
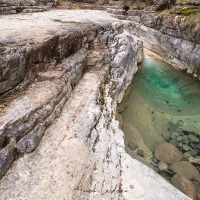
[[163, 100]]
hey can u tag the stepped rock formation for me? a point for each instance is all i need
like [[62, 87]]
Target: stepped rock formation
[[73, 68]]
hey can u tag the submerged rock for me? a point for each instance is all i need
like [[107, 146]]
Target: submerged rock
[[193, 138], [167, 153], [186, 169], [132, 145], [184, 185], [162, 166]]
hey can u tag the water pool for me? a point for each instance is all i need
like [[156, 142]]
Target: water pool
[[163, 102]]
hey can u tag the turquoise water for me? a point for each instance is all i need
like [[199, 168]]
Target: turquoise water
[[163, 100]]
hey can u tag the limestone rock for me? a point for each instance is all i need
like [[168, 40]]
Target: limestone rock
[[184, 185], [167, 153], [162, 166], [186, 169], [193, 138]]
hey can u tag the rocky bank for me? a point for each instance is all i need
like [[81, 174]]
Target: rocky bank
[[172, 38], [62, 75]]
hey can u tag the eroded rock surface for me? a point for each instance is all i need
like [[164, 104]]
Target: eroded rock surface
[[82, 153]]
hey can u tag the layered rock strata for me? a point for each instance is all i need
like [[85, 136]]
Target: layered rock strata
[[174, 40], [82, 154]]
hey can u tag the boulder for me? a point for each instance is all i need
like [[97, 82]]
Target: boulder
[[185, 169], [168, 153], [184, 185]]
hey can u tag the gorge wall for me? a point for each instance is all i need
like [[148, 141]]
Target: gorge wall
[[61, 81], [172, 39]]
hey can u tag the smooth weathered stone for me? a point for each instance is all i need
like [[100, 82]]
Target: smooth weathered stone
[[162, 166], [193, 138], [197, 187], [186, 155], [179, 138], [174, 135], [185, 147], [193, 152], [193, 146], [173, 141], [140, 153], [184, 185], [167, 153], [132, 145], [186, 169]]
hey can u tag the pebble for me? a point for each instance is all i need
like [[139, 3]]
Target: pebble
[[174, 135], [132, 145], [185, 141], [197, 146], [140, 152], [162, 166], [193, 138], [179, 138], [186, 147], [172, 141], [193, 152], [186, 155], [154, 160], [180, 144], [193, 146], [154, 164]]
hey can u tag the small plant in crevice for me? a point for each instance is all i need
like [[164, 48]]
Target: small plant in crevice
[[57, 58]]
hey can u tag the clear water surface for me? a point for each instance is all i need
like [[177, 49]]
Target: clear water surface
[[163, 100]]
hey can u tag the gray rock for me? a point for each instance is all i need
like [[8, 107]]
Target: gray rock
[[179, 138], [167, 153], [174, 135], [197, 146], [173, 141], [154, 164], [186, 155], [184, 185], [193, 152], [132, 145], [154, 160], [186, 147], [180, 144], [140, 153], [193, 138]]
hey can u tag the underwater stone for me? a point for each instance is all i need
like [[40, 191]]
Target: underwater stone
[[193, 152], [180, 138], [174, 135], [186, 147], [132, 145], [184, 185], [168, 153], [185, 169], [193, 138], [140, 153]]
